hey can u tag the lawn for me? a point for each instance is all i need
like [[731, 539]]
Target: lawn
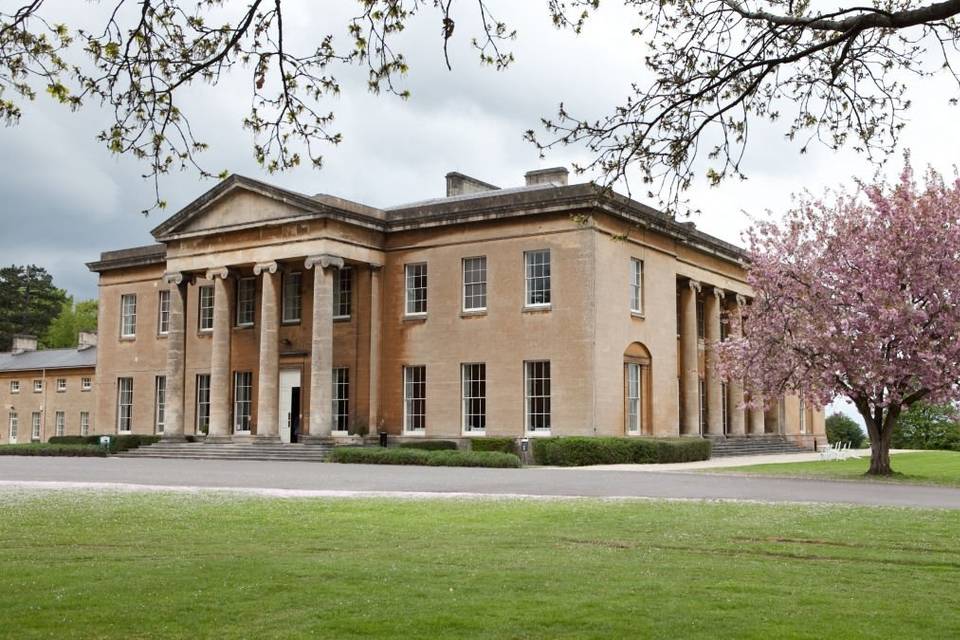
[[82, 565], [924, 467]]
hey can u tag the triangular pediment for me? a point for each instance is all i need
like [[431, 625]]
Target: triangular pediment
[[237, 203]]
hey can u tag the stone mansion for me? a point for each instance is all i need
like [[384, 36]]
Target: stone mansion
[[266, 315]]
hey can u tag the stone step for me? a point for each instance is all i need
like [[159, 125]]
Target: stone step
[[232, 451]]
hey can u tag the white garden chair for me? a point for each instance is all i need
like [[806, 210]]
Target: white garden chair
[[830, 453]]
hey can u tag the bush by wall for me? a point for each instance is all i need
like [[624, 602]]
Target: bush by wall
[[503, 445], [118, 444], [430, 445], [407, 456], [583, 451], [44, 449]]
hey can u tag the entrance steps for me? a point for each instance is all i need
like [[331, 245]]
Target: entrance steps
[[727, 446], [232, 451]]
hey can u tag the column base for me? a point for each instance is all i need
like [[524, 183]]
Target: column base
[[266, 439], [308, 439], [173, 437], [218, 439]]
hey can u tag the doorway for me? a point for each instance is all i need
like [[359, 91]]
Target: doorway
[[289, 414]]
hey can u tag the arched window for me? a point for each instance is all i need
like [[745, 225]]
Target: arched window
[[636, 390]]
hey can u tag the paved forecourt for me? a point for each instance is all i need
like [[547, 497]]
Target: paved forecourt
[[302, 478]]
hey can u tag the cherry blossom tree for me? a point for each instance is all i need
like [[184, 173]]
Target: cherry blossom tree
[[856, 295]]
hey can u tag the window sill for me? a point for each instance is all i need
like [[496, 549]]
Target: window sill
[[637, 314], [419, 317], [290, 323], [473, 313], [537, 308], [416, 434], [244, 327], [537, 434], [474, 434], [163, 336], [128, 338], [342, 318]]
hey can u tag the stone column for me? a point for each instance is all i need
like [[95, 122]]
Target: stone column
[[689, 363], [711, 312], [735, 387], [220, 356], [375, 285], [321, 344], [268, 379], [176, 357], [757, 420]]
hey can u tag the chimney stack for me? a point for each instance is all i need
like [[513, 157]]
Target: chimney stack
[[86, 339], [557, 176], [23, 343]]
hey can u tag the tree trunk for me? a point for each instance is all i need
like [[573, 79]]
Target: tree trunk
[[880, 431]]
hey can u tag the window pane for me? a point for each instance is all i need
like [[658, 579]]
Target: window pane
[[474, 385], [163, 321], [415, 398], [125, 404], [203, 403], [341, 399], [538, 396], [475, 283], [242, 400], [416, 288], [538, 277], [636, 285], [206, 308], [292, 297], [246, 301], [343, 293], [128, 315], [634, 378], [161, 403]]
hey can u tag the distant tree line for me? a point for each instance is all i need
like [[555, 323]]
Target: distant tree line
[[31, 304]]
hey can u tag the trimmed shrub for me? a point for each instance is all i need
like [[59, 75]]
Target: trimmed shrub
[[583, 451], [43, 449], [430, 445], [841, 428], [503, 445], [118, 444], [379, 455]]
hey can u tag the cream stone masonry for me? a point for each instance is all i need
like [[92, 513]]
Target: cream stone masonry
[[281, 260]]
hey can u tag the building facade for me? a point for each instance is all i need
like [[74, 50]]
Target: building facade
[[548, 309], [47, 393]]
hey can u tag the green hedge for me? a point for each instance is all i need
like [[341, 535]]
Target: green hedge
[[430, 445], [503, 445], [379, 455], [118, 444], [583, 451], [43, 449]]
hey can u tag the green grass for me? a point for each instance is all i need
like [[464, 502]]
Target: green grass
[[46, 449], [83, 565], [925, 467]]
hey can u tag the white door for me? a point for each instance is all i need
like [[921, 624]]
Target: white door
[[289, 379]]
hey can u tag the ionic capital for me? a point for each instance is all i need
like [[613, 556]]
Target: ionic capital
[[325, 261], [175, 277], [223, 273], [694, 285], [740, 300], [719, 294], [269, 267]]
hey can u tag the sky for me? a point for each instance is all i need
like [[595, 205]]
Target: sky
[[66, 198]]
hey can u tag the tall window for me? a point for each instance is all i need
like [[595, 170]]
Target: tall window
[[14, 386], [38, 386], [128, 315], [703, 406], [86, 384], [203, 403], [341, 399], [415, 399], [60, 422], [636, 285], [163, 314], [725, 406], [246, 301], [206, 308], [343, 293], [35, 425], [700, 318], [242, 400], [61, 385], [160, 403], [803, 416], [124, 405], [84, 423], [537, 383], [537, 265], [475, 283], [292, 296], [416, 288], [473, 379], [14, 422], [634, 384]]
